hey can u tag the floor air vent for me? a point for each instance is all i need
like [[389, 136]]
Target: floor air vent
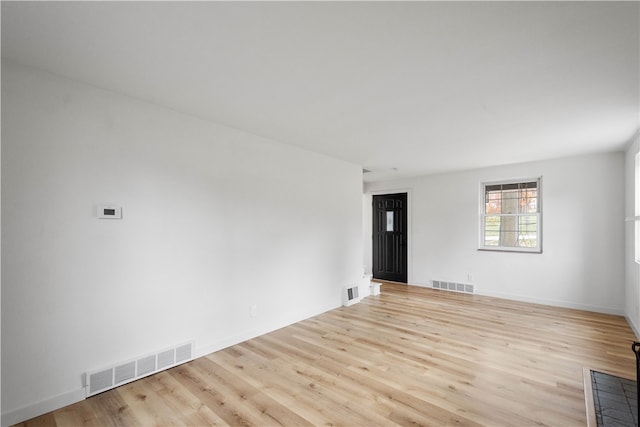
[[125, 372], [452, 286]]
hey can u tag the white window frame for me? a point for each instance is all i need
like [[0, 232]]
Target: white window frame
[[538, 214]]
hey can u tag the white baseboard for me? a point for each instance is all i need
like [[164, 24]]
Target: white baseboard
[[551, 302], [27, 412], [633, 326], [544, 301]]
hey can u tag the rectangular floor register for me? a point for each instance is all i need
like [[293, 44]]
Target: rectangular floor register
[[615, 400]]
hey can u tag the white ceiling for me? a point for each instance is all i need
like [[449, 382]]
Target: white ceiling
[[423, 87]]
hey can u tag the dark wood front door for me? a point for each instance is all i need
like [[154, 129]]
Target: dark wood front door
[[390, 237]]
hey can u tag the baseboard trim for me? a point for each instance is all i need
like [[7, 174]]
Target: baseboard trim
[[27, 412], [633, 326], [542, 301], [554, 303]]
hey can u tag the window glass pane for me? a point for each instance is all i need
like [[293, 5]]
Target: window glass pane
[[528, 226], [493, 202], [492, 239], [509, 231], [529, 201], [510, 201], [389, 220], [492, 231]]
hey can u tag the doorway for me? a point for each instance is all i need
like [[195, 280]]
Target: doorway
[[390, 237]]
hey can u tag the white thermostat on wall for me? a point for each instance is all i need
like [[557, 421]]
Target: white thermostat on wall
[[109, 212]]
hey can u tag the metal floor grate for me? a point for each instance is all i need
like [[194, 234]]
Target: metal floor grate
[[615, 400]]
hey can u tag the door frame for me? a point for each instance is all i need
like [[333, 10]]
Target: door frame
[[369, 236]]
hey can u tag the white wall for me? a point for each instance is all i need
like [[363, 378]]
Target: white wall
[[632, 270], [215, 220], [367, 233], [582, 264]]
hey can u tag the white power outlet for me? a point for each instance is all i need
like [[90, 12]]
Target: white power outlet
[[470, 278], [254, 310]]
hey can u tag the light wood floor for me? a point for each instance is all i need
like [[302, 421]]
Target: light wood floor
[[410, 356]]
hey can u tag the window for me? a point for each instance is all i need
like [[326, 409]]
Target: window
[[511, 214]]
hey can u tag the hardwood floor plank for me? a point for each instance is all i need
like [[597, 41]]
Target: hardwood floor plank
[[410, 356], [312, 390], [162, 401], [45, 420], [390, 390], [268, 409], [80, 414], [112, 411], [206, 389]]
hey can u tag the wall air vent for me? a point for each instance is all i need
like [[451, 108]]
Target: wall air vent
[[146, 365], [126, 372], [98, 381], [351, 295], [452, 286]]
